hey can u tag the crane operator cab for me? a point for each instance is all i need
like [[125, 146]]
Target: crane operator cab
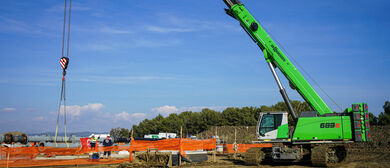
[[273, 127]]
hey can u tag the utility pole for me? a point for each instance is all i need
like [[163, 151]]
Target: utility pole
[[181, 136], [215, 150]]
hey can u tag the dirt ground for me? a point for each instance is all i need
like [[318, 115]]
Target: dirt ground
[[225, 162], [359, 155], [371, 154]]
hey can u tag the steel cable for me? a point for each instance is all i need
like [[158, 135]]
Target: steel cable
[[64, 63], [307, 74]]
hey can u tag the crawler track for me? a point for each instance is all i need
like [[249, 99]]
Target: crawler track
[[254, 156], [327, 155]]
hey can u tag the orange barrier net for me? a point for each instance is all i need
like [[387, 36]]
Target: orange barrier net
[[241, 148], [27, 156], [40, 156], [176, 144], [31, 163]]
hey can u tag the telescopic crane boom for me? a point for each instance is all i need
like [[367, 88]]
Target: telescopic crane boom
[[276, 58]]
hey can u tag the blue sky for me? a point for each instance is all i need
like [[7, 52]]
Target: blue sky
[[130, 60]]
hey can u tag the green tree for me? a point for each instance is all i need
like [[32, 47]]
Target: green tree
[[384, 117], [124, 133], [249, 116], [144, 127], [196, 122], [298, 107], [386, 107], [209, 118], [187, 119], [156, 125], [246, 116], [373, 119], [114, 132], [231, 117], [120, 132], [173, 123]]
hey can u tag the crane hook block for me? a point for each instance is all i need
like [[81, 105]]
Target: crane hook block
[[64, 62]]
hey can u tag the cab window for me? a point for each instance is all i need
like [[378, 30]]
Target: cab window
[[270, 122]]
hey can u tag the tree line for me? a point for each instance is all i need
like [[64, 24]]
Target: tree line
[[196, 122], [383, 118]]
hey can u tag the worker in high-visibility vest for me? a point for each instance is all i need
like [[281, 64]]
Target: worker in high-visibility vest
[[93, 142]]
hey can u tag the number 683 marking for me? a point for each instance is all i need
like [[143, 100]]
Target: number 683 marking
[[327, 125]]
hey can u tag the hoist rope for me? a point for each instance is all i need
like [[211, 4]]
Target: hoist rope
[[64, 98], [67, 46], [306, 73], [59, 110], [67, 56], [64, 64], [63, 30]]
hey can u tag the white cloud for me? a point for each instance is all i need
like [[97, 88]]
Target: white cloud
[[30, 81], [166, 110], [153, 43], [124, 79], [32, 109], [138, 115], [80, 8], [111, 30], [40, 118], [76, 110], [95, 107], [8, 109], [199, 108], [12, 25], [175, 24], [75, 7], [169, 29], [128, 117], [99, 46], [122, 116], [127, 44]]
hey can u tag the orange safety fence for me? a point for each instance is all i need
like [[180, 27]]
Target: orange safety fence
[[192, 145], [173, 144], [27, 156], [31, 163], [241, 148], [16, 153], [177, 144]]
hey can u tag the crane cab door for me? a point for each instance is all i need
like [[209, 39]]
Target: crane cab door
[[272, 126]]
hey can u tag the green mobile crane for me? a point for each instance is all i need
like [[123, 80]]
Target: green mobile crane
[[319, 135]]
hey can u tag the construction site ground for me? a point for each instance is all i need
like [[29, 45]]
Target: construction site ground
[[371, 154], [226, 162]]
